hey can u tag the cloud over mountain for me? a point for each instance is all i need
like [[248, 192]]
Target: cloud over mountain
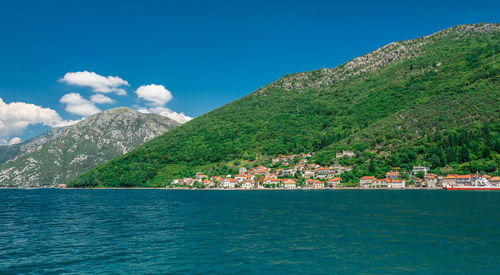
[[98, 83], [15, 117], [157, 96], [101, 99], [78, 105]]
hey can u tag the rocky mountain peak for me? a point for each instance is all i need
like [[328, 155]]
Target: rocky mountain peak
[[69, 151]]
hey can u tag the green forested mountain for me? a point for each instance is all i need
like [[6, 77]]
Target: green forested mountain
[[432, 100]]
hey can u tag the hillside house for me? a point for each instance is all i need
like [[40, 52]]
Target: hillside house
[[312, 166], [289, 184], [248, 184], [208, 183], [216, 179], [367, 181], [200, 176], [261, 170], [315, 184], [417, 169], [430, 181], [309, 174], [324, 173], [242, 170], [453, 179], [393, 175], [188, 181], [288, 172], [229, 183], [334, 182], [244, 177], [494, 181], [395, 184], [271, 181]]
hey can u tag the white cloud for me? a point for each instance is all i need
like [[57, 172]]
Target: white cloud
[[142, 110], [78, 105], [14, 140], [101, 99], [156, 95], [98, 83], [166, 112], [65, 123], [15, 117]]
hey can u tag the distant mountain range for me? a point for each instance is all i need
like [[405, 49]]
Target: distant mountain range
[[10, 151], [432, 100], [61, 154]]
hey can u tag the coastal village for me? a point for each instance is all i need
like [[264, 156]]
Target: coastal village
[[296, 172]]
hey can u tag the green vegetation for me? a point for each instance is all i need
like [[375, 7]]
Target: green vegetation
[[434, 104]]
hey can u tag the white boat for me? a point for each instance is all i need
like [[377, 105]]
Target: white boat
[[476, 184]]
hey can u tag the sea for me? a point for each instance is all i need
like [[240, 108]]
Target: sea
[[58, 231]]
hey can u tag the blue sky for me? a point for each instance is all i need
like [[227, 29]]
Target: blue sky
[[206, 53]]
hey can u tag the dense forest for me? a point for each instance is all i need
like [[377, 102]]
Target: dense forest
[[431, 101]]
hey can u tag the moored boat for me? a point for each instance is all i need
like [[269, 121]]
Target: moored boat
[[476, 184]]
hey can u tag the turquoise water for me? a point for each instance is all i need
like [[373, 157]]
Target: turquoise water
[[265, 232]]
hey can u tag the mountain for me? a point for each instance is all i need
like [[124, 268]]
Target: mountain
[[432, 100], [62, 154], [8, 152]]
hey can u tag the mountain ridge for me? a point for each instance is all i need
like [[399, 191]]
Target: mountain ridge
[[68, 151]]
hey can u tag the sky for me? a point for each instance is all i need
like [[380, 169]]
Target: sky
[[61, 61]]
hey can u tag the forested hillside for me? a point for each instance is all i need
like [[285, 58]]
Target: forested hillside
[[432, 100]]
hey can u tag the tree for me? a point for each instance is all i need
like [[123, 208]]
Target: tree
[[372, 167], [464, 154]]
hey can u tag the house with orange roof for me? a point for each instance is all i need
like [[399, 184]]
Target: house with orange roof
[[216, 179], [188, 181], [315, 184], [430, 181], [367, 181], [313, 166], [208, 183], [393, 175], [289, 184], [229, 183], [242, 177], [334, 182], [288, 172], [200, 176], [454, 179], [271, 181], [309, 174], [324, 173], [494, 181], [395, 184], [249, 184]]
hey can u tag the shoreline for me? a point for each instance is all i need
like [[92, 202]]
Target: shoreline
[[220, 189]]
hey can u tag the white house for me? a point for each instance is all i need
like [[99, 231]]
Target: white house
[[289, 184], [229, 183], [396, 184], [247, 185]]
